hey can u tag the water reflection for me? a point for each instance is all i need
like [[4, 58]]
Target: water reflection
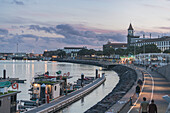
[[28, 69]]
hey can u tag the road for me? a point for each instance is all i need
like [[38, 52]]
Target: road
[[154, 87]]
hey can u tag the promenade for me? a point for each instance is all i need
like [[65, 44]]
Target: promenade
[[155, 86]]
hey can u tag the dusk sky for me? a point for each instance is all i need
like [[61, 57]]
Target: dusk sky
[[38, 25]]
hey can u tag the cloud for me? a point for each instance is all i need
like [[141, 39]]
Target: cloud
[[29, 38], [46, 29], [66, 28], [18, 2], [78, 37], [3, 32], [166, 28]]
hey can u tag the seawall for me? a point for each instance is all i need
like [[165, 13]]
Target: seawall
[[164, 71], [127, 79]]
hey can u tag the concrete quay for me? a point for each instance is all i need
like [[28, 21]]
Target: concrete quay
[[68, 99], [155, 86]]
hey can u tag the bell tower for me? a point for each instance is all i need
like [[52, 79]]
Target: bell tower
[[130, 34], [130, 30]]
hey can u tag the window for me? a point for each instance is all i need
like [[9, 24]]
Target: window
[[55, 88]]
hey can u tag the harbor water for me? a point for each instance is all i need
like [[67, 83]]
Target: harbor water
[[28, 69]]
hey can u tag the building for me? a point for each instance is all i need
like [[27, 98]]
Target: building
[[115, 45], [73, 49], [162, 43], [8, 99], [131, 38]]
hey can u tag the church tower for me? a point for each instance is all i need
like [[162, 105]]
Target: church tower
[[130, 34]]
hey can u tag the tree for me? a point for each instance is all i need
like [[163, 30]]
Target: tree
[[83, 52], [167, 51], [99, 53], [61, 53], [150, 48], [108, 51], [133, 50], [91, 52], [121, 52]]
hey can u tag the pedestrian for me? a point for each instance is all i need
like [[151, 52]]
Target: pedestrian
[[137, 90], [144, 106], [140, 82], [152, 107]]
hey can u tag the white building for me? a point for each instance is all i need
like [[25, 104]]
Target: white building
[[162, 43], [73, 49]]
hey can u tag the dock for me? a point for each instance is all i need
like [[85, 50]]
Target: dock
[[64, 101]]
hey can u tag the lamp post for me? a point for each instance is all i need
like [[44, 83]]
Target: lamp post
[[144, 51]]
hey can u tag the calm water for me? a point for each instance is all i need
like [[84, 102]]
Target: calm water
[[28, 69]]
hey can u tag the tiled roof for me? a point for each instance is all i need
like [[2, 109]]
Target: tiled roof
[[74, 47], [118, 44], [165, 38]]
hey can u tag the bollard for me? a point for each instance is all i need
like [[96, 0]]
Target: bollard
[[130, 101], [4, 74], [96, 73], [82, 79]]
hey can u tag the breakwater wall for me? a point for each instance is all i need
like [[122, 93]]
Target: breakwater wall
[[164, 71], [127, 79]]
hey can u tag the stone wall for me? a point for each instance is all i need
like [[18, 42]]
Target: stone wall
[[128, 77], [165, 71]]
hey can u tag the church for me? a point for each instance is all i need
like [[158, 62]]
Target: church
[[162, 43]]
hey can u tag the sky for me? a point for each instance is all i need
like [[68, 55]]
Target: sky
[[38, 25]]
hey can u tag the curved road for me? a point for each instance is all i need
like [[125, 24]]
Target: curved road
[[155, 86]]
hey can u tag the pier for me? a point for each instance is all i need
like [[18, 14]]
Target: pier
[[68, 99]]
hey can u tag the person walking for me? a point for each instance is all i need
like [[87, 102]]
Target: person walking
[[137, 90], [152, 107], [144, 106]]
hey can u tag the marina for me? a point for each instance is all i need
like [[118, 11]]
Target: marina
[[67, 100], [51, 66]]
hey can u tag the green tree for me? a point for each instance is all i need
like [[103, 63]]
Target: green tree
[[108, 51], [91, 52], [99, 53], [150, 48], [121, 52], [167, 51], [133, 50], [83, 52], [61, 53]]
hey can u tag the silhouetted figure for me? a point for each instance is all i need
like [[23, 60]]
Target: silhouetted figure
[[137, 90], [144, 106], [140, 82], [152, 107]]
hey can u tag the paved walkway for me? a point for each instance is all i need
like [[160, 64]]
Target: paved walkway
[[155, 86]]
